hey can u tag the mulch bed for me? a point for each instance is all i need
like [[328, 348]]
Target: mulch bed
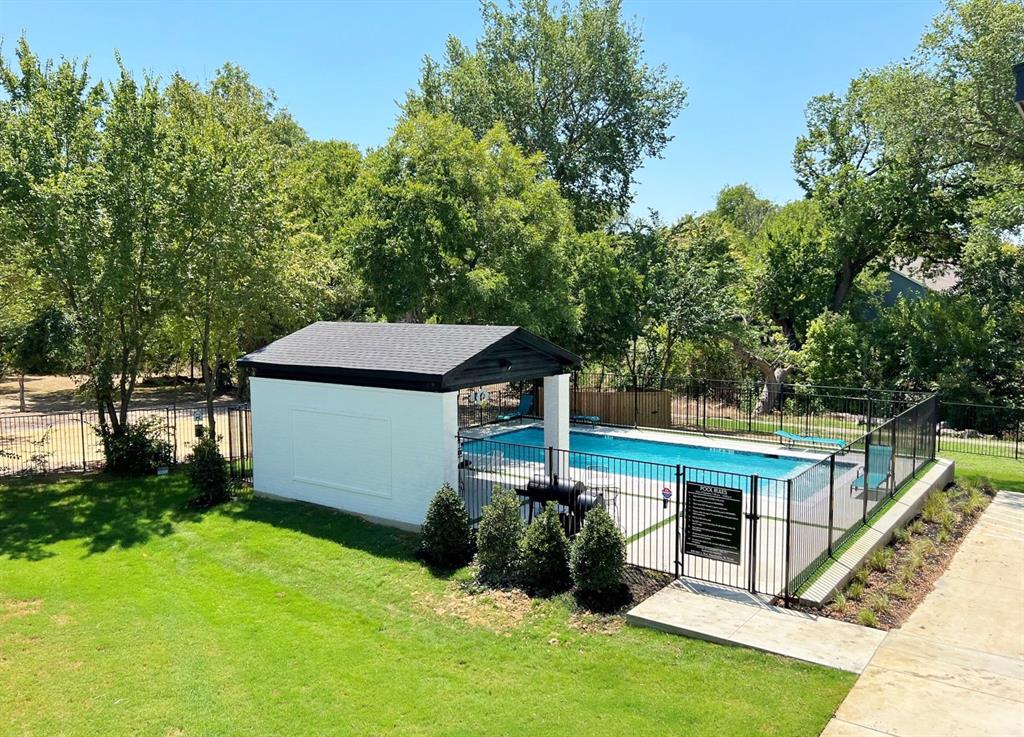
[[879, 582]]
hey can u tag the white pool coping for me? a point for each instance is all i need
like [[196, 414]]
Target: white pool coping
[[674, 437]]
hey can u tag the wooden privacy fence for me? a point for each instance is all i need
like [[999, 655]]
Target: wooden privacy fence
[[646, 408]]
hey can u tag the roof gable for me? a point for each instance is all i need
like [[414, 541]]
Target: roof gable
[[410, 355]]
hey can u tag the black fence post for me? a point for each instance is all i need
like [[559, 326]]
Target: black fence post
[[704, 401], [892, 459], [753, 518], [789, 526], [1016, 442], [831, 498], [679, 545], [81, 425], [750, 408], [867, 475]]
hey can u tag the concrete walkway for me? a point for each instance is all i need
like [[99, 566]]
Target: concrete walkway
[[956, 668], [733, 617]]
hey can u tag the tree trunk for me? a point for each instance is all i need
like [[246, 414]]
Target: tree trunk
[[208, 377], [771, 392], [774, 377], [21, 392]]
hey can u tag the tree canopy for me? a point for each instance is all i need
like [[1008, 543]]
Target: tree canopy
[[571, 84]]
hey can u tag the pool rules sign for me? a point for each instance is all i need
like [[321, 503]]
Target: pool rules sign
[[713, 518]]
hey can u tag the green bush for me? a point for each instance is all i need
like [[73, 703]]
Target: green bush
[[137, 448], [598, 554], [881, 559], [545, 554], [447, 537], [499, 538], [208, 474], [867, 618], [855, 591]]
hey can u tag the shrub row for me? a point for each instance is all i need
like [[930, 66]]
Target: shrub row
[[539, 557]]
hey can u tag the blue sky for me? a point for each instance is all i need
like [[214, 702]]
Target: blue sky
[[340, 68]]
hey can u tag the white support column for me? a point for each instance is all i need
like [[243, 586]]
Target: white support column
[[556, 422], [449, 431]]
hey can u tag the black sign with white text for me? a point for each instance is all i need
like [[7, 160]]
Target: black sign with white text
[[713, 520]]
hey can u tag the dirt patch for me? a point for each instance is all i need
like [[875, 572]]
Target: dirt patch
[[501, 610], [894, 580], [17, 608], [644, 584], [496, 610], [61, 394]]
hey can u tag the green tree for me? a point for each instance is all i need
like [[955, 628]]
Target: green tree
[[82, 190], [316, 184], [452, 229], [572, 85], [740, 207], [833, 354], [42, 345], [248, 272]]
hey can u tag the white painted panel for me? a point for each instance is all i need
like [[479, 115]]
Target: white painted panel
[[333, 449], [381, 453]]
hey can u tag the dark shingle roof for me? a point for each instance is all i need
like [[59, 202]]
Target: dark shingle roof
[[413, 353]]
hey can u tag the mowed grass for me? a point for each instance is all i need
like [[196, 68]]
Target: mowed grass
[[122, 613], [1004, 473]]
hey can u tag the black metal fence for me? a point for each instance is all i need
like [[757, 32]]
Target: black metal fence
[[981, 429], [749, 409], [783, 529], [831, 501], [69, 442], [647, 501]]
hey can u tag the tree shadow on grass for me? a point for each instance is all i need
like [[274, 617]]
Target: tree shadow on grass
[[102, 511]]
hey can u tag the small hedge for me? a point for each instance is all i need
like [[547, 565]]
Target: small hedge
[[138, 448], [208, 474], [499, 538], [545, 554], [598, 555], [447, 537]]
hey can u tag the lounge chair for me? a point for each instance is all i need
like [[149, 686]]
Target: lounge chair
[[584, 419], [879, 471], [811, 439], [524, 408]]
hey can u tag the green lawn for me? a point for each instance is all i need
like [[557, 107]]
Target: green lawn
[[1004, 473], [123, 614]]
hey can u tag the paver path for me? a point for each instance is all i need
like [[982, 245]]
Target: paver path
[[956, 667]]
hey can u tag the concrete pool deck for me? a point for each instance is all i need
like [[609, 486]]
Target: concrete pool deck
[[731, 617]]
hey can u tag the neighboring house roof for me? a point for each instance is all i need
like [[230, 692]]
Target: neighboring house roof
[[410, 355], [911, 281], [937, 281]]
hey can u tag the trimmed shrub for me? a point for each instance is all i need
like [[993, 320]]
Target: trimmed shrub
[[138, 448], [499, 538], [447, 537], [598, 554], [545, 554], [208, 474]]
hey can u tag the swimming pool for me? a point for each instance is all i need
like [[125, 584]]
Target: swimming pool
[[723, 460]]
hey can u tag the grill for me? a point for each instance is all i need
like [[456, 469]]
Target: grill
[[572, 498]]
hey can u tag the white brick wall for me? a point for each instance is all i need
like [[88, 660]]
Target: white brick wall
[[380, 453]]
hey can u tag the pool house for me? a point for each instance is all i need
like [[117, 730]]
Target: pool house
[[704, 481]]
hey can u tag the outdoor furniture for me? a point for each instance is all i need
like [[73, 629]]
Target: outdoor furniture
[[879, 470], [524, 408], [810, 439], [584, 419]]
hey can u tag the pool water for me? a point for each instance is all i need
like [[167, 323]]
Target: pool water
[[653, 451]]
